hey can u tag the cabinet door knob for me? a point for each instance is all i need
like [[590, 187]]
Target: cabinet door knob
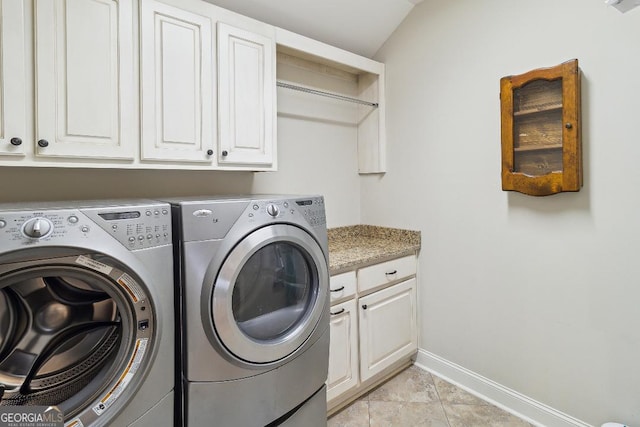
[[209, 152], [337, 312], [16, 141], [43, 143], [225, 153], [337, 290], [364, 306], [568, 125]]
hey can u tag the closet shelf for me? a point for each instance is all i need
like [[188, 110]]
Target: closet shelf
[[326, 94]]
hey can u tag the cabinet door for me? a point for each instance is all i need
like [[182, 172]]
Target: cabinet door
[[176, 84], [343, 349], [246, 104], [12, 79], [388, 327], [84, 78]]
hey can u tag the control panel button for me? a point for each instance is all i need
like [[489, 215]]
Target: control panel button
[[132, 239], [256, 207], [149, 236], [85, 229], [165, 212], [141, 237], [73, 219], [3, 223], [37, 228], [273, 210]]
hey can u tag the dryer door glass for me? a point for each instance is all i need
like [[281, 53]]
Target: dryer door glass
[[68, 335], [269, 294], [273, 291]]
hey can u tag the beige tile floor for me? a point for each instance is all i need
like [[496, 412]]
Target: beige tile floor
[[417, 398]]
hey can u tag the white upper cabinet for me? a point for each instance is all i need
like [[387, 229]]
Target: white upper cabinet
[[156, 84], [12, 79], [178, 116], [247, 96], [84, 79]]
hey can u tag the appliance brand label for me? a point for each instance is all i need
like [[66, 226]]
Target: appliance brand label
[[125, 378], [132, 287], [202, 213], [93, 264]]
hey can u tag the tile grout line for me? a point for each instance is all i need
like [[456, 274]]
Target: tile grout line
[[440, 400], [369, 407]]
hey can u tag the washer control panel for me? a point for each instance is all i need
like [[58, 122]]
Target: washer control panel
[[313, 211], [136, 227], [311, 208]]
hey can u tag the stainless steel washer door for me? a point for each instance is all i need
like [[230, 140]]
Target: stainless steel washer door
[[270, 293], [75, 332]]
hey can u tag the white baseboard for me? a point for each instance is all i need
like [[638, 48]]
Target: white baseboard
[[511, 401]]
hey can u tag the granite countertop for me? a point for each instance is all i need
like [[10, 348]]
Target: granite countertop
[[359, 245]]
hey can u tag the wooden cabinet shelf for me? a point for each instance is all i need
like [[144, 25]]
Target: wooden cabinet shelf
[[538, 148], [538, 109], [541, 141]]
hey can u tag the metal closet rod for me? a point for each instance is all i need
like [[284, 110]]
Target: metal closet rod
[[326, 94]]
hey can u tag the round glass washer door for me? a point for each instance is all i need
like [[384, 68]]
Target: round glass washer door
[[270, 294], [75, 332]]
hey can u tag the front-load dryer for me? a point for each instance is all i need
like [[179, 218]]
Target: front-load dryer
[[86, 311], [255, 339]]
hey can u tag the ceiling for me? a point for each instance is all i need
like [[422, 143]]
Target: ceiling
[[359, 26]]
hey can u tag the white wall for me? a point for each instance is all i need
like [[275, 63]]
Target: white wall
[[541, 295], [315, 157]]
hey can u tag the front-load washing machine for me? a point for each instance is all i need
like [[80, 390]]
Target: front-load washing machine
[[86, 311], [255, 339]]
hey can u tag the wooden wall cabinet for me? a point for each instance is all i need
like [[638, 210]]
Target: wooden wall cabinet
[[541, 132]]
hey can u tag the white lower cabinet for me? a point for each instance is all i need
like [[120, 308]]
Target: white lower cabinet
[[373, 329], [343, 350], [387, 327]]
